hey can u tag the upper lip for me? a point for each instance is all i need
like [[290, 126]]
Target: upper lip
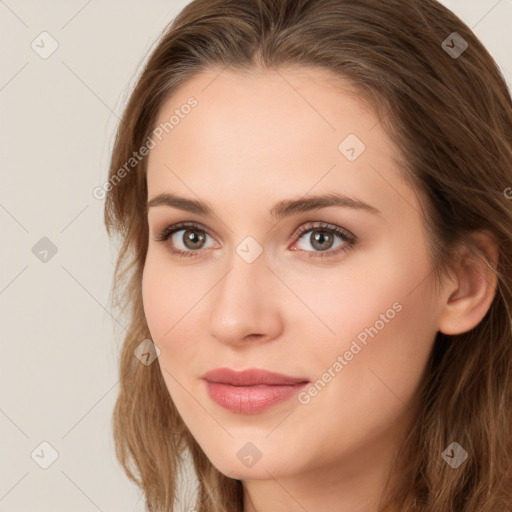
[[250, 377]]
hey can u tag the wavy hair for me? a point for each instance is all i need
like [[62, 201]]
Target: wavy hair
[[451, 117]]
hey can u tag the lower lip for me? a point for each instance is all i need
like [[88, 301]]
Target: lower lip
[[251, 399]]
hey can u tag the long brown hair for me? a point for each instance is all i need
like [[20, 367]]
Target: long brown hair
[[451, 115]]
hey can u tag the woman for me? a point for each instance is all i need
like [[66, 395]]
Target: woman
[[314, 203]]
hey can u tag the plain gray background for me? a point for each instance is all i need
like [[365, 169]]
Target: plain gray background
[[60, 343]]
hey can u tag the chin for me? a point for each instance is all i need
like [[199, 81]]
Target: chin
[[239, 465]]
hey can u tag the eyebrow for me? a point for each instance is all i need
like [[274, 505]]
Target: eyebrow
[[284, 208]]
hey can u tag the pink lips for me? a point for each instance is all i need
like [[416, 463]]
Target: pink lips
[[250, 391]]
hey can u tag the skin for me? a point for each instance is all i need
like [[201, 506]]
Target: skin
[[253, 140]]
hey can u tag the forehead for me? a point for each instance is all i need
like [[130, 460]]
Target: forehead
[[270, 132], [294, 102]]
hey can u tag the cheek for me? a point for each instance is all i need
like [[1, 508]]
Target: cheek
[[338, 305], [371, 288], [383, 317], [165, 295], [163, 299], [366, 386], [384, 354], [154, 298], [171, 304]]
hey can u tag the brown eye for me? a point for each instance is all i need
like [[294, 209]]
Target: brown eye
[[184, 239], [323, 238]]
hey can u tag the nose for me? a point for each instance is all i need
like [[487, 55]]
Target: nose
[[246, 304]]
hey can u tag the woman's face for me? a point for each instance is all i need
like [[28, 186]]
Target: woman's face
[[332, 293]]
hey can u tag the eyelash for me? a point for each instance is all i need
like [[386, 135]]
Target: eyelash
[[347, 237]]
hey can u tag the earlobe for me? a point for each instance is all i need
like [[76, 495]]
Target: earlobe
[[469, 295]]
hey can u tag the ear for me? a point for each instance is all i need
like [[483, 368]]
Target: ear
[[468, 294]]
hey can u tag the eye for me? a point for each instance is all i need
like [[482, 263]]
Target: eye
[[191, 241], [322, 238]]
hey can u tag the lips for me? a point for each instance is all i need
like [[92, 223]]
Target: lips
[[250, 391], [251, 377]]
